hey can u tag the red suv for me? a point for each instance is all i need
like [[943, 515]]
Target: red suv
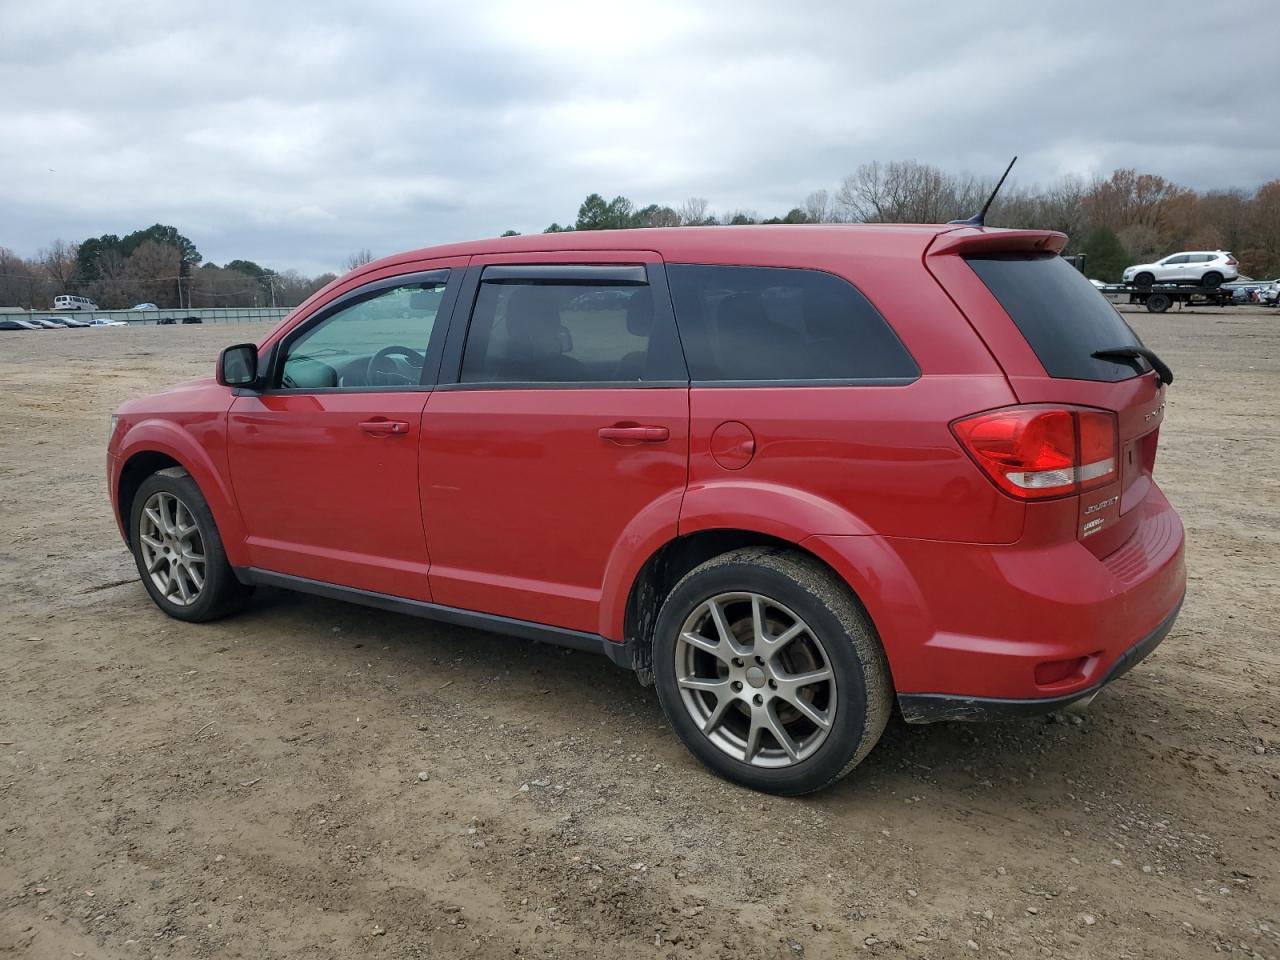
[[787, 474]]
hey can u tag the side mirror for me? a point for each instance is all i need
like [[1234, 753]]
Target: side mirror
[[238, 366]]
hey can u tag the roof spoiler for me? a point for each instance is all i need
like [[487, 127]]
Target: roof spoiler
[[969, 240]]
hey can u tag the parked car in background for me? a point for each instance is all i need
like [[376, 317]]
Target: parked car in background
[[144, 306], [1245, 289], [1207, 267], [68, 302], [1271, 293], [69, 321], [44, 323], [787, 475], [192, 320], [18, 325], [104, 322]]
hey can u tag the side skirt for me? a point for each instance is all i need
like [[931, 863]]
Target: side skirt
[[619, 653]]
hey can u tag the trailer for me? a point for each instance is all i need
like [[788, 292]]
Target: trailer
[[1159, 297]]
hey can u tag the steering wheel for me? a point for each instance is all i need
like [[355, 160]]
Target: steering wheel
[[385, 371]]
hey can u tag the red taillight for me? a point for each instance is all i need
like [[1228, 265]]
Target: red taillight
[[1232, 261], [1034, 452]]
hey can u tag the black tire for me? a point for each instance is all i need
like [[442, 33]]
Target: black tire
[[221, 593], [1144, 279], [1159, 302], [1212, 279], [863, 687]]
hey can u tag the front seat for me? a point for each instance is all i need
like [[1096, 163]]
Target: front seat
[[534, 342], [639, 324]]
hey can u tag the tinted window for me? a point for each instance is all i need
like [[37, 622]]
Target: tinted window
[[566, 332], [377, 341], [766, 323], [1062, 315]]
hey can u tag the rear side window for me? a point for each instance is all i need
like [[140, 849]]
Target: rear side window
[[565, 332], [761, 324], [1062, 315]]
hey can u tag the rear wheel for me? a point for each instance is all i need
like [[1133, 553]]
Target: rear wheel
[[1212, 279], [1144, 279], [770, 672], [178, 551]]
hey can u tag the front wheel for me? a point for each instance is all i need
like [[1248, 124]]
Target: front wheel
[[178, 551], [1144, 279], [770, 672]]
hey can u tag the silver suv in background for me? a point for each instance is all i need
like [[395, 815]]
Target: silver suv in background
[[1208, 267]]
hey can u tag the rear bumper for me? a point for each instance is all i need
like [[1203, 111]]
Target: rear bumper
[[1037, 624], [935, 707]]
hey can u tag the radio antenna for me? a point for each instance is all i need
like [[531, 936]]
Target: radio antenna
[[980, 218]]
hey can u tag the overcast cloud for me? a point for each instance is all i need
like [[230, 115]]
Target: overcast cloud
[[294, 133]]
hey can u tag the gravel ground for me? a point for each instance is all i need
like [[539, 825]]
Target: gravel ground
[[254, 788]]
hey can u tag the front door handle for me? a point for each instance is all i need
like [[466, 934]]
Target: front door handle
[[382, 427], [635, 433]]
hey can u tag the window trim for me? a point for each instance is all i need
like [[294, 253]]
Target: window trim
[[904, 381], [621, 274], [431, 365], [450, 377]]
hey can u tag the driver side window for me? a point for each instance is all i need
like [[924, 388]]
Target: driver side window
[[379, 341]]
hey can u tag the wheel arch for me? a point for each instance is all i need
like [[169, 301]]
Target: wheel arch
[[663, 568], [151, 446]]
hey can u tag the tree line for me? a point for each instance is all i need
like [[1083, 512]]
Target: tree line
[[157, 265], [1128, 217]]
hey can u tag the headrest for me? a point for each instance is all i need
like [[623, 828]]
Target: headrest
[[640, 313], [742, 310], [533, 321], [824, 316]]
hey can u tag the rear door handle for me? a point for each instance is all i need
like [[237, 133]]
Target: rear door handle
[[385, 428], [635, 434]]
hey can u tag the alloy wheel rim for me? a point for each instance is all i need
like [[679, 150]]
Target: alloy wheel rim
[[755, 679], [172, 549]]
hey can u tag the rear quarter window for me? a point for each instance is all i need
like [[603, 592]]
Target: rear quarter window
[[774, 324], [1061, 314]]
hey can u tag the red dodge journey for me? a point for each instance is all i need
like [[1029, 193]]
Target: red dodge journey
[[788, 474]]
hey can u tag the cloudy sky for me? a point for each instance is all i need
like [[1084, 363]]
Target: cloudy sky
[[295, 133]]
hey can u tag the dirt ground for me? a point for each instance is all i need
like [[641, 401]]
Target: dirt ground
[[251, 788]]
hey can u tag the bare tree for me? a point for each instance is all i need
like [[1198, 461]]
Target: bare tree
[[357, 259], [905, 191], [20, 282], [819, 208], [59, 262], [693, 212], [151, 274]]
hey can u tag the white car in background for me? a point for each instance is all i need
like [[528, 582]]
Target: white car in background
[[68, 302], [103, 322], [1210, 268]]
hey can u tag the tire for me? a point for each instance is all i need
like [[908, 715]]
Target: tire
[[731, 696], [173, 497], [1159, 302], [1212, 279], [1144, 279]]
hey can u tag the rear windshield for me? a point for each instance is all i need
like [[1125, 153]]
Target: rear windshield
[[1062, 315]]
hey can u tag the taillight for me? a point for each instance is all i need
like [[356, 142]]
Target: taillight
[[1231, 261], [1034, 452]]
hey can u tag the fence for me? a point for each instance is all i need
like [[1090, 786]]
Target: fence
[[145, 317]]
